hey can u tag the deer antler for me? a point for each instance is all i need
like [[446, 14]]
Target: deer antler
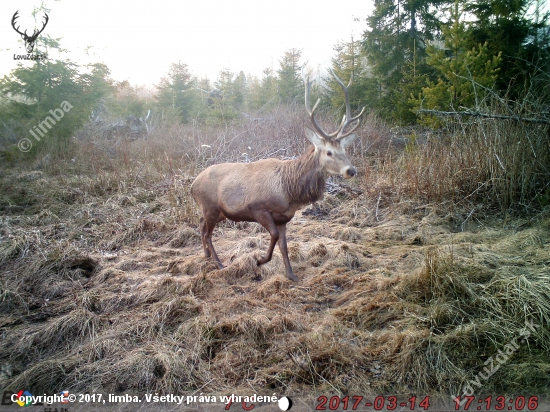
[[311, 112], [346, 121], [15, 16]]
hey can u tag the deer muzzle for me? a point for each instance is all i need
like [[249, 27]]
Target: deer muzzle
[[349, 172]]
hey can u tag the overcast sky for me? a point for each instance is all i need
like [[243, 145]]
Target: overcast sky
[[138, 40]]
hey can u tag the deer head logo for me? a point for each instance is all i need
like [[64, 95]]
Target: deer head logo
[[29, 40]]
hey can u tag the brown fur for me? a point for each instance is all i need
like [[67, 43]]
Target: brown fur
[[303, 180], [268, 191]]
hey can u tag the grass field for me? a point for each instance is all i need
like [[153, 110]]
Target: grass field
[[412, 277]]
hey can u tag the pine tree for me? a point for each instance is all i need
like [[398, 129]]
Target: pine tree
[[415, 74], [240, 91], [224, 100], [396, 38], [31, 93], [508, 27], [176, 93], [289, 81], [263, 92], [127, 100], [464, 75]]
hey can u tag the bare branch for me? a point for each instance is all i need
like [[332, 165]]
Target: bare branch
[[486, 115]]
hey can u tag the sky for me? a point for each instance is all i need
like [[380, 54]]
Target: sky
[[138, 40]]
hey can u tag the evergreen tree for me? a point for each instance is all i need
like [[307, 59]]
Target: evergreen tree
[[240, 91], [290, 81], [507, 27], [464, 75], [263, 92], [33, 95], [127, 101], [395, 40], [176, 92], [203, 91], [415, 74], [224, 99]]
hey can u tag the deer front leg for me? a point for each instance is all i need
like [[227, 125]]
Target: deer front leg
[[210, 246], [284, 251], [266, 220]]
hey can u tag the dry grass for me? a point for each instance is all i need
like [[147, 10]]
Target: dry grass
[[104, 287]]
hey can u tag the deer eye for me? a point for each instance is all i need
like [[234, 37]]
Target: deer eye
[[329, 153]]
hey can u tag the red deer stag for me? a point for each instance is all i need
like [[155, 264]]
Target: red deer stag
[[270, 191]]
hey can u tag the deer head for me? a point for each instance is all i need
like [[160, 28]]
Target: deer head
[[29, 40], [332, 145]]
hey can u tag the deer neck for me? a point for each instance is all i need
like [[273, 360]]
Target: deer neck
[[305, 179]]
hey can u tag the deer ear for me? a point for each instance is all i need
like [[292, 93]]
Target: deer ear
[[314, 138], [346, 141]]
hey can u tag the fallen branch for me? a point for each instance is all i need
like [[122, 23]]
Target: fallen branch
[[485, 115]]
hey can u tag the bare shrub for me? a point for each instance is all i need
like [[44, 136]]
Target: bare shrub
[[498, 153]]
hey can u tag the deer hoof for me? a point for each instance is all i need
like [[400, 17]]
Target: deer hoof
[[293, 277]]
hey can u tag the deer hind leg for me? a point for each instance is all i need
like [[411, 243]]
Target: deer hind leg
[[207, 226], [284, 251], [202, 225]]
